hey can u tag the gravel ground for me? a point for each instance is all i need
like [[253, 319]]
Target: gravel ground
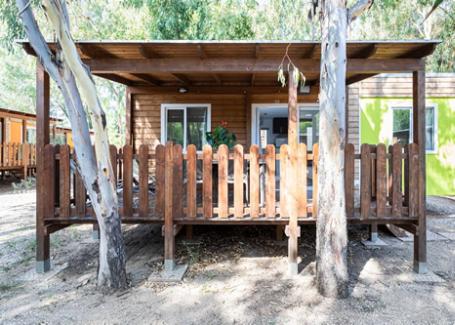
[[236, 275]]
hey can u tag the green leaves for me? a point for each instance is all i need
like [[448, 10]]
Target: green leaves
[[220, 135]]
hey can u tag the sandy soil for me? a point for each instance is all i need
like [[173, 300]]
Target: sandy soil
[[236, 275]]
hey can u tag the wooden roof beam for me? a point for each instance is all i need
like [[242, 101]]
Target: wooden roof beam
[[257, 51], [182, 78], [116, 78], [95, 52], [147, 78], [202, 54], [359, 77], [422, 51], [218, 79], [365, 53], [242, 65], [253, 77], [147, 53], [311, 53]]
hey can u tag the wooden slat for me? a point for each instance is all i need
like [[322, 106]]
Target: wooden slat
[[223, 152], [160, 181], [49, 169], [113, 155], [65, 179], [143, 181], [302, 180], [283, 180], [397, 195], [207, 182], [365, 182], [381, 180], [127, 181], [169, 239], [349, 175], [389, 177], [315, 179], [254, 181], [238, 181], [191, 167], [413, 167], [270, 196], [80, 196], [178, 181], [406, 175]]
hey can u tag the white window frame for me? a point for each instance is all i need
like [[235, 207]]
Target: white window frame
[[182, 107], [255, 107], [393, 107]]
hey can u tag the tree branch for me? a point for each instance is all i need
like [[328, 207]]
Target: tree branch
[[358, 8]]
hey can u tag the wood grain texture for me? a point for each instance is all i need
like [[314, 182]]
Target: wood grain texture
[[283, 180], [191, 164], [365, 182], [143, 181], [349, 169], [381, 180], [397, 194], [160, 181], [207, 183], [223, 151], [254, 181], [238, 181], [65, 179], [302, 180], [178, 181], [127, 181], [270, 186], [315, 179]]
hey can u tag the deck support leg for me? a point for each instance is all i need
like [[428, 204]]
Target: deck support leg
[[96, 231], [42, 138], [374, 232], [189, 232], [420, 239]]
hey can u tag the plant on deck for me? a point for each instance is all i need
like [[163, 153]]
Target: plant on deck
[[221, 135]]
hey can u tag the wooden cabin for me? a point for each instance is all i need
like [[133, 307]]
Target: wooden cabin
[[179, 90], [18, 139]]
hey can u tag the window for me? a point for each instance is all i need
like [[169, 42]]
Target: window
[[402, 126], [185, 124], [31, 135], [309, 127]]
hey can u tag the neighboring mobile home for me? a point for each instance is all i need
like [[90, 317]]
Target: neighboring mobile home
[[18, 133], [179, 90], [384, 104]]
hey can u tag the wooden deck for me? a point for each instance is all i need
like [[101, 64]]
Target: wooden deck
[[210, 187]]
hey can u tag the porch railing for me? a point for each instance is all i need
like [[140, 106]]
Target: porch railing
[[234, 185], [15, 155]]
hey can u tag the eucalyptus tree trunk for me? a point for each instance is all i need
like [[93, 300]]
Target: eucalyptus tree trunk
[[331, 233], [74, 80]]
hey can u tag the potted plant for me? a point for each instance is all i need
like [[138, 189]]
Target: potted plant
[[221, 135]]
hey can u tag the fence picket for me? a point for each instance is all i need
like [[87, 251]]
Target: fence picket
[[238, 181], [283, 180], [413, 169], [178, 181], [381, 180], [191, 164], [207, 182], [160, 181], [254, 181], [397, 195], [270, 196], [113, 156], [143, 181], [365, 182], [302, 180], [49, 169], [223, 151], [127, 181], [65, 178]]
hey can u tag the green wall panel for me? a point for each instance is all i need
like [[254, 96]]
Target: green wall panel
[[376, 127]]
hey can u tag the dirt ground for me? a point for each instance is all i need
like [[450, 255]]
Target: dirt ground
[[237, 275]]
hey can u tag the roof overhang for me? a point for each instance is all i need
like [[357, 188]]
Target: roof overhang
[[238, 63]]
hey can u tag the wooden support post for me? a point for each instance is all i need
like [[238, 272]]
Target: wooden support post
[[420, 239], [129, 136], [42, 138], [169, 239], [293, 230]]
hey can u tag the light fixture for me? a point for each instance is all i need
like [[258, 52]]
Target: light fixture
[[183, 90]]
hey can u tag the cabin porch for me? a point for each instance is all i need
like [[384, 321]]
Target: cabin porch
[[174, 185]]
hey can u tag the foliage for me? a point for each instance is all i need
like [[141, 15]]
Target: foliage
[[221, 135]]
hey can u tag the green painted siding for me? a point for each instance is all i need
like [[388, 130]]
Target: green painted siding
[[376, 127]]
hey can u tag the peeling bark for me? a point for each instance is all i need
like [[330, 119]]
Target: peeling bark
[[73, 79], [331, 234]]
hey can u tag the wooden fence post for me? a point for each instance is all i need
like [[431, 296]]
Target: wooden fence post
[[169, 240]]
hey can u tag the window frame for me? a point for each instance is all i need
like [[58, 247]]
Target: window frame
[[165, 107], [394, 107]]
